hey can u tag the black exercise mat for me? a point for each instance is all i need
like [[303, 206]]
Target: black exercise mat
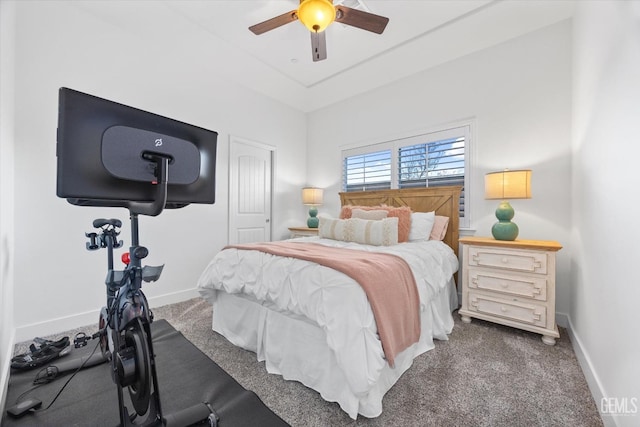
[[186, 377]]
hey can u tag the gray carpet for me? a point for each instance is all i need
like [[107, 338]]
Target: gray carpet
[[484, 375]]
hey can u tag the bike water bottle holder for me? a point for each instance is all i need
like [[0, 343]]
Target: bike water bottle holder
[[115, 278], [151, 273]]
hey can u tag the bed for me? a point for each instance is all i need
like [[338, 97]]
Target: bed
[[313, 324]]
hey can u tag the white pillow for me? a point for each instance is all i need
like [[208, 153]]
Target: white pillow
[[421, 225], [372, 215], [382, 232]]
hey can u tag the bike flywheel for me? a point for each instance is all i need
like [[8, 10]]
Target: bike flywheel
[[140, 389]]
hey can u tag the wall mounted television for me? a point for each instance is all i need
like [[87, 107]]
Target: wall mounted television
[[105, 151]]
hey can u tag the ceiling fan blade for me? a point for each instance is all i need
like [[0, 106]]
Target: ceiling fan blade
[[318, 46], [360, 19], [272, 23]]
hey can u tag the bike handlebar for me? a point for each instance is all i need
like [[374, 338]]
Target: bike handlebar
[[155, 207]]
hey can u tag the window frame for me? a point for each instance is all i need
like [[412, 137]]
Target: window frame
[[425, 137]]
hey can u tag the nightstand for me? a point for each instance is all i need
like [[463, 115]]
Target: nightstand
[[512, 283], [303, 231]]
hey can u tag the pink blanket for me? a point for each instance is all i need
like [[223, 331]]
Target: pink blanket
[[386, 279]]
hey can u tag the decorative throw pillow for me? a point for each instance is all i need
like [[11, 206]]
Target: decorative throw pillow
[[421, 225], [347, 210], [382, 232], [371, 215], [404, 221], [403, 214], [440, 225]]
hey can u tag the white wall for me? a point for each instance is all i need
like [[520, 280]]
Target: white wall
[[518, 95], [6, 193], [605, 290], [58, 284]]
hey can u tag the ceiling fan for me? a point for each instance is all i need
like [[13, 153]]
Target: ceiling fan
[[316, 15]]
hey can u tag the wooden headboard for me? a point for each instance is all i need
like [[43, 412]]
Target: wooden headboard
[[443, 200]]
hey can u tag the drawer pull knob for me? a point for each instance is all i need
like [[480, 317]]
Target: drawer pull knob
[[504, 285], [537, 290], [503, 309], [536, 316], [505, 260]]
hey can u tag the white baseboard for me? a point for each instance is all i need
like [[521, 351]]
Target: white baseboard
[[562, 319], [4, 374], [173, 298], [590, 374], [79, 320]]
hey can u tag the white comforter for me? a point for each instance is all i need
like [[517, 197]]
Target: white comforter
[[328, 298]]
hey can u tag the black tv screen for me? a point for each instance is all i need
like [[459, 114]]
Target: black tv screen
[[103, 154]]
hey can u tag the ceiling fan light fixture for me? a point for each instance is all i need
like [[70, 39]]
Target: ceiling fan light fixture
[[316, 15]]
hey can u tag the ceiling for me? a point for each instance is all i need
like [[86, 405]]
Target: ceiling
[[420, 34]]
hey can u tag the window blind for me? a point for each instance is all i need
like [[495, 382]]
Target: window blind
[[433, 164], [368, 171]]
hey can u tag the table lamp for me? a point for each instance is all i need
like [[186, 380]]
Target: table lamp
[[312, 196], [507, 184]]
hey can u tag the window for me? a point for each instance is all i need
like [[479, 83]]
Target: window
[[368, 171], [429, 160]]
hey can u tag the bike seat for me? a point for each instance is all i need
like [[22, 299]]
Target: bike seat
[[101, 222]]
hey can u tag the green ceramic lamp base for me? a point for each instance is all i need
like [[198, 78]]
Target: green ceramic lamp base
[[313, 221], [504, 229]]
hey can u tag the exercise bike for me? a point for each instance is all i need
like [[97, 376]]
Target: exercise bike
[[125, 321]]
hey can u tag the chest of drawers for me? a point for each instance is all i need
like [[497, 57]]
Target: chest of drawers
[[511, 283]]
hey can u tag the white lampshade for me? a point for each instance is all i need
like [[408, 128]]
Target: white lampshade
[[508, 184], [312, 196]]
